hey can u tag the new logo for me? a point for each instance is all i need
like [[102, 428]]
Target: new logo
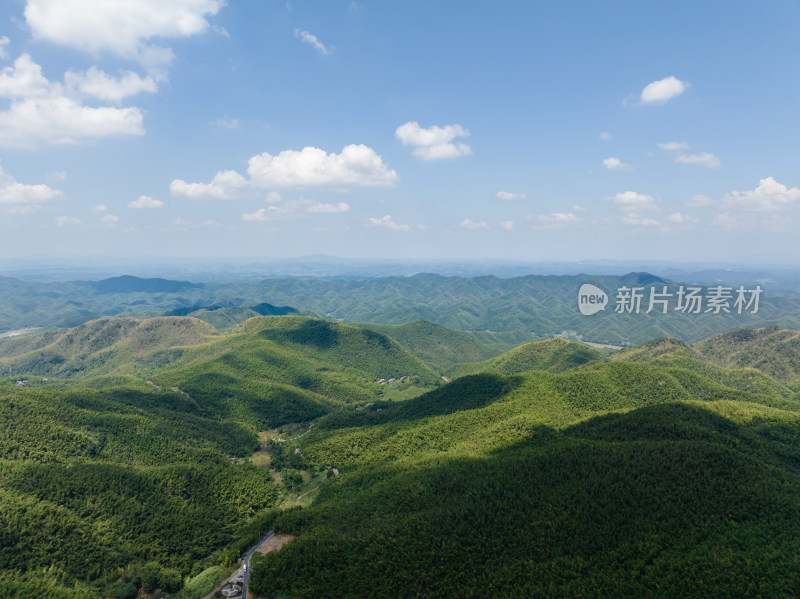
[[591, 299]]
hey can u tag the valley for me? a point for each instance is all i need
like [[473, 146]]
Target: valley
[[154, 452]]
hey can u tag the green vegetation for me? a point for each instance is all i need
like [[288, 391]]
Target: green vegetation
[[658, 473], [151, 454], [493, 311]]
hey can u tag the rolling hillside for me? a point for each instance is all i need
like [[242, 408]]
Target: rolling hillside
[[611, 479], [661, 470]]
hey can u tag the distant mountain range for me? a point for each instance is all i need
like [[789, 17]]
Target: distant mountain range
[[538, 306]]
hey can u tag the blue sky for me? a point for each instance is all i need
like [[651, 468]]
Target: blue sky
[[516, 130]]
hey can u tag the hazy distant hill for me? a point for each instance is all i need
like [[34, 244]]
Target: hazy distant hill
[[529, 307], [130, 284]]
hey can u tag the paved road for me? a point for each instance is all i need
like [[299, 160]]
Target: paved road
[[246, 561]]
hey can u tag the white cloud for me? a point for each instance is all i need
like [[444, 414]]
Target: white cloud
[[99, 84], [273, 197], [109, 219], [318, 208], [119, 26], [4, 41], [62, 121], [663, 90], [557, 218], [145, 202], [769, 196], [222, 187], [24, 80], [17, 198], [577, 208], [674, 146], [260, 215], [635, 220], [41, 112], [605, 136], [312, 40], [615, 164], [507, 224], [470, 224], [226, 123], [434, 142], [705, 159], [630, 200], [278, 209], [387, 222], [62, 221], [355, 166], [100, 208], [508, 196], [181, 224]]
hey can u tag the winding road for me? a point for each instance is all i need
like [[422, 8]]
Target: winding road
[[246, 561]]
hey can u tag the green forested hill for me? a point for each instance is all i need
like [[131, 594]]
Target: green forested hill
[[527, 308], [665, 469], [443, 347], [629, 478], [553, 355]]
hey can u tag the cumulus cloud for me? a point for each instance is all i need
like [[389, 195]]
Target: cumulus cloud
[[674, 146], [4, 41], [678, 148], [62, 121], [507, 196], [507, 224], [435, 142], [635, 220], [630, 200], [18, 198], [109, 219], [356, 166], [226, 123], [301, 207], [222, 187], [769, 196], [312, 40], [273, 197], [99, 84], [319, 208], [663, 90], [24, 80], [705, 159], [62, 221], [145, 202], [121, 27], [42, 112], [605, 136], [470, 224], [615, 164], [100, 208], [387, 222]]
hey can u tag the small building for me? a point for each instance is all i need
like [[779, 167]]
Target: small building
[[21, 383]]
